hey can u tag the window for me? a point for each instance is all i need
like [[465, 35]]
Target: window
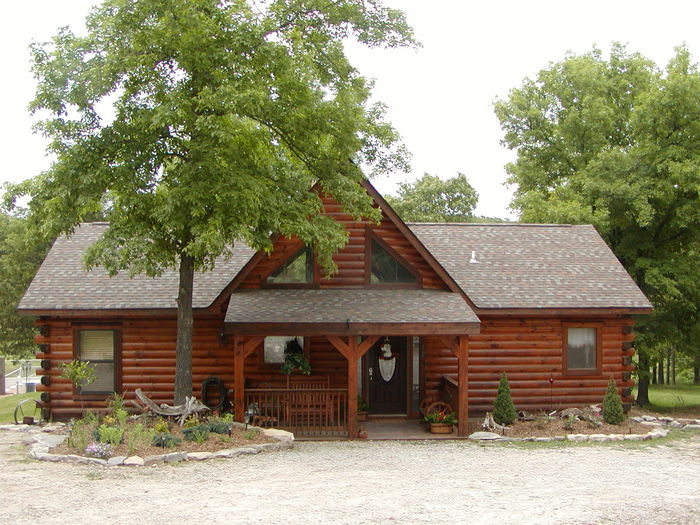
[[274, 347], [385, 268], [582, 349], [98, 347], [298, 269]]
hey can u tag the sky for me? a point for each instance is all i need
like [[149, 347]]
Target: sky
[[440, 97]]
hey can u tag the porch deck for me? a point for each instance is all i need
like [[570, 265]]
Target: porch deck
[[405, 429]]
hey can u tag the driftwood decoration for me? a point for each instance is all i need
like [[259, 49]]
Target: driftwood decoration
[[182, 412], [491, 426]]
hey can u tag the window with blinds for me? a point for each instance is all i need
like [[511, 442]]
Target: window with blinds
[[97, 347]]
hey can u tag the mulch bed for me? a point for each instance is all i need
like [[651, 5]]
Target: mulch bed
[[215, 442], [557, 427]]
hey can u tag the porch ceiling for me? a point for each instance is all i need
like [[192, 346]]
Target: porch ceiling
[[364, 311]]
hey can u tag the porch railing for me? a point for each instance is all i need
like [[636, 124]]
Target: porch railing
[[308, 412], [449, 392]]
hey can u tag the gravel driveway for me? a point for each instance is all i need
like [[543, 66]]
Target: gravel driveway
[[366, 482]]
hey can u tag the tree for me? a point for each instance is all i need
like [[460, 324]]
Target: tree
[[226, 114], [612, 405], [430, 199], [615, 143], [504, 412], [21, 254]]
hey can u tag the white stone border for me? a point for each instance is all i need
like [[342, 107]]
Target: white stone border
[[657, 432], [39, 450]]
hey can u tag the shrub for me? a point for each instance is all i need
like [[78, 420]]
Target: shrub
[[250, 434], [612, 405], [227, 418], [570, 422], [218, 426], [504, 412], [191, 421], [198, 434], [82, 433], [115, 403], [111, 435], [99, 450], [165, 440], [137, 436], [161, 426]]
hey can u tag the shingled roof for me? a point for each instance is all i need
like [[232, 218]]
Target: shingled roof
[[348, 306], [531, 265], [63, 284], [519, 266]]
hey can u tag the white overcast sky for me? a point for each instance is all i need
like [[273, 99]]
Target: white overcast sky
[[440, 97]]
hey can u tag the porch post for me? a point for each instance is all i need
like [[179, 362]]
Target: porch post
[[463, 385], [238, 378], [352, 387]]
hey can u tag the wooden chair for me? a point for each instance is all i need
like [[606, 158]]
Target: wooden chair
[[311, 406]]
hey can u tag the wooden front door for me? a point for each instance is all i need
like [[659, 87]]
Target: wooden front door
[[386, 377]]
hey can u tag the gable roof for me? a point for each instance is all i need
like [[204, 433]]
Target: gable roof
[[532, 265]]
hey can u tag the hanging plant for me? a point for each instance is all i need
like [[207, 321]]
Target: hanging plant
[[294, 359]]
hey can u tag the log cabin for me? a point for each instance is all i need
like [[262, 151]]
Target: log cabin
[[415, 313]]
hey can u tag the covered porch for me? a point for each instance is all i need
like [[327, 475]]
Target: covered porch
[[374, 358]]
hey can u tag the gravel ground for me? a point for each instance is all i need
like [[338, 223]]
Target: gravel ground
[[367, 482]]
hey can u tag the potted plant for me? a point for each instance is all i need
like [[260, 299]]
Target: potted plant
[[362, 409], [294, 359], [441, 421]]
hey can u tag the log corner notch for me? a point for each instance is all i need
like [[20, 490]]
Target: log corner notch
[[459, 346], [353, 352], [242, 348]]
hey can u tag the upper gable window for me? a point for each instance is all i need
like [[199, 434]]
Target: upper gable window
[[298, 269], [386, 269]]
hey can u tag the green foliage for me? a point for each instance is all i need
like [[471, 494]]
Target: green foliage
[[111, 435], [115, 404], [80, 373], [441, 416], [250, 434], [161, 426], [191, 421], [362, 405], [21, 253], [82, 433], [138, 436], [295, 362], [504, 412], [227, 418], [225, 116], [430, 199], [199, 434], [166, 440], [570, 422], [218, 426], [614, 143], [612, 405]]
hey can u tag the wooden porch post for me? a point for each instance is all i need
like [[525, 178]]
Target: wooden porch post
[[353, 357], [242, 348], [463, 385]]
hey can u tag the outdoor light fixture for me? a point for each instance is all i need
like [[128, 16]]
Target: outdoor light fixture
[[250, 413]]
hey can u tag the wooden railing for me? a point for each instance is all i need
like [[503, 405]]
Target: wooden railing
[[308, 412], [449, 392]]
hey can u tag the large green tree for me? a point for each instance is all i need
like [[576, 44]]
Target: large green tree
[[616, 142], [431, 199], [225, 114], [21, 254]]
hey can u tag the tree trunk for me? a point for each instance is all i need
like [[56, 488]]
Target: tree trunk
[[668, 366], [183, 347], [696, 371], [643, 385], [673, 366], [660, 377], [653, 374]]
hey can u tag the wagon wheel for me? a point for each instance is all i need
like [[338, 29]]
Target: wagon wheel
[[21, 412], [439, 406], [425, 403]]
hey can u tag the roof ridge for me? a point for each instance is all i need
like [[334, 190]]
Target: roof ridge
[[508, 224]]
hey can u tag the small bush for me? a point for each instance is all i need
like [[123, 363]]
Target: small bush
[[612, 405], [198, 434], [250, 434], [227, 418], [504, 412], [115, 403], [161, 426], [99, 450], [191, 422], [111, 435], [218, 426], [570, 422], [137, 436], [82, 433], [166, 440]]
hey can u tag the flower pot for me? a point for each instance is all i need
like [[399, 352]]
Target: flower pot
[[362, 416], [362, 433], [441, 428]]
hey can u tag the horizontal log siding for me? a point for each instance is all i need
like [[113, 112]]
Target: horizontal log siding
[[351, 259], [148, 361], [530, 351]]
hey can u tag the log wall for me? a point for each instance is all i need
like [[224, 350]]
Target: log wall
[[529, 350]]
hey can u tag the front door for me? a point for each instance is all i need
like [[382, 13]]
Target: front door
[[386, 376]]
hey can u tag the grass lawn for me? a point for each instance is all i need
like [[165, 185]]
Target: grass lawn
[[8, 404], [673, 398]]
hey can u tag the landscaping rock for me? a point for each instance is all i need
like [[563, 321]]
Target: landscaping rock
[[665, 419], [544, 439], [276, 433], [675, 424], [571, 412], [485, 436], [50, 440], [648, 418], [524, 415], [616, 437], [691, 427], [637, 419], [198, 456], [633, 437], [598, 437], [685, 421], [651, 423], [577, 437], [116, 460], [133, 461], [247, 450]]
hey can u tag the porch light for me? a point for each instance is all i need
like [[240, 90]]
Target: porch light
[[250, 413]]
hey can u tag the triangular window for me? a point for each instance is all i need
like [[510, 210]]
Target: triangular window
[[298, 269], [386, 269]]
